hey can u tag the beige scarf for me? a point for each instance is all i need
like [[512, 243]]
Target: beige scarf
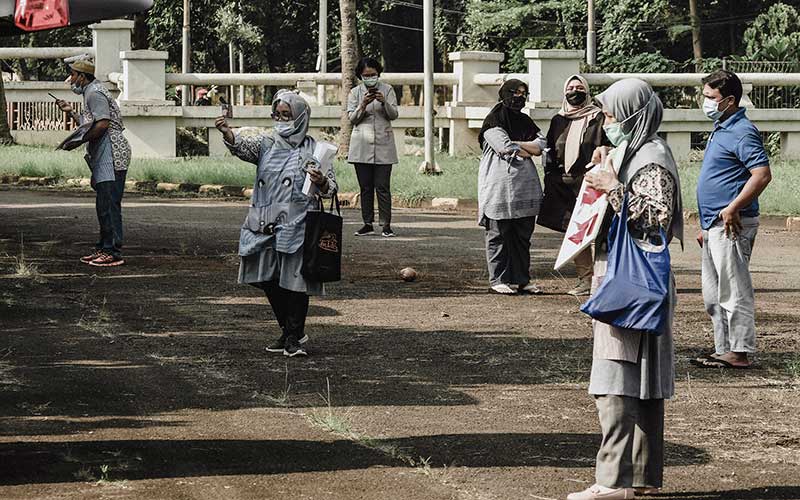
[[579, 117]]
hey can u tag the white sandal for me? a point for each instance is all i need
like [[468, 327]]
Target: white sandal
[[502, 289]]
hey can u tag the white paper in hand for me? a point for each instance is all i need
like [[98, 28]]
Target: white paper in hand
[[324, 153]]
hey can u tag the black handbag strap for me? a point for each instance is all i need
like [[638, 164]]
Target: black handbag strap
[[334, 203]]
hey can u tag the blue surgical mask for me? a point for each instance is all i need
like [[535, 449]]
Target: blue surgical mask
[[711, 109], [78, 89], [370, 81]]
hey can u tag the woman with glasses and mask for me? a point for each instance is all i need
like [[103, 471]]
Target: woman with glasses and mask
[[633, 372], [574, 133], [272, 236], [509, 191], [371, 107]]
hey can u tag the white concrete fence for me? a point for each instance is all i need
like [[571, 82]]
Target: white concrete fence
[[140, 80]]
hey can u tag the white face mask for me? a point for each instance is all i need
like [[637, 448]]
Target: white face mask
[[711, 109], [284, 129]]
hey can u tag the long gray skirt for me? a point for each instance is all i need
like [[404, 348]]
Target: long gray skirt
[[271, 265]]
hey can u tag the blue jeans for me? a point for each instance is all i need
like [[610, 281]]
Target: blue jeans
[[109, 213]]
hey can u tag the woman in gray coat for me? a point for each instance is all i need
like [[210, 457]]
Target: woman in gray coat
[[633, 372], [371, 107], [272, 236]]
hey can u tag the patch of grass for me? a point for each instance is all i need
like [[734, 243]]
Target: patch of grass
[[22, 268], [282, 398], [459, 178], [101, 323], [335, 423], [793, 370]]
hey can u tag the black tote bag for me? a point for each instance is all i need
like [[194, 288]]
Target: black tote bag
[[322, 248]]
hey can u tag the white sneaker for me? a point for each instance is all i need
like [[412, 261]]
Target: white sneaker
[[503, 289], [532, 289], [597, 492]]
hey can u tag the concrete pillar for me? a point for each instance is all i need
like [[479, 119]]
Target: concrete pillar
[[143, 75], [308, 91], [464, 140], [790, 145], [468, 64], [109, 38], [681, 145], [399, 140], [149, 118], [547, 72], [216, 144]]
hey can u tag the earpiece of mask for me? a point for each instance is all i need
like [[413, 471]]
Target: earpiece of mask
[[576, 98]]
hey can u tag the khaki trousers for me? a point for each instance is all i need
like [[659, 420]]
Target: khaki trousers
[[632, 451]]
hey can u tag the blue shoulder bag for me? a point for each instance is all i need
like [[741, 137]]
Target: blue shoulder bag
[[635, 291]]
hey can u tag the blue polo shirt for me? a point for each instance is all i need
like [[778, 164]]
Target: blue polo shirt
[[733, 150]]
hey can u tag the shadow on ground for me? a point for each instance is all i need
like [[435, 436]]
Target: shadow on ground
[[57, 462]]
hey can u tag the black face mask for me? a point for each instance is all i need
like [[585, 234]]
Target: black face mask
[[516, 102], [576, 98]]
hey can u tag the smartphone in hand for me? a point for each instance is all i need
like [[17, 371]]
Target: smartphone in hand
[[226, 107]]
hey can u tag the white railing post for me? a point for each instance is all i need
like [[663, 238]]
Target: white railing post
[[466, 65], [547, 71], [109, 38], [149, 118]]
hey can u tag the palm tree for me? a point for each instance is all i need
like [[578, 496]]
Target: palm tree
[[349, 59]]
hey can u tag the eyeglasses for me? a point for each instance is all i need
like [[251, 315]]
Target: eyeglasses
[[281, 118]]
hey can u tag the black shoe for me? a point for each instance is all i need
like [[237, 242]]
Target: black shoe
[[387, 232], [279, 345], [294, 348], [365, 230]]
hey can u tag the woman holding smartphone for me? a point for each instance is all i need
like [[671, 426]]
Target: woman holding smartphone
[[371, 107]]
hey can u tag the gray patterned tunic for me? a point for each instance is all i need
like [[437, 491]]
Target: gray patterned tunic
[[277, 193], [111, 152]]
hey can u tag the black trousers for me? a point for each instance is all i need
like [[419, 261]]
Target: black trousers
[[375, 179], [290, 308], [109, 213]]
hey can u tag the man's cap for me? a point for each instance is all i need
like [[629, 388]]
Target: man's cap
[[82, 64]]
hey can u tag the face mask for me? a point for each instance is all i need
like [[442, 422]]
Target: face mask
[[576, 98], [284, 129], [370, 81], [78, 89], [615, 134], [711, 109], [516, 102]]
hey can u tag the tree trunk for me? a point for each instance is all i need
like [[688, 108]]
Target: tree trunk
[[349, 58], [697, 46], [5, 130], [140, 32]]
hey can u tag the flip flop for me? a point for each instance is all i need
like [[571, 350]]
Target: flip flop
[[700, 360], [721, 363]]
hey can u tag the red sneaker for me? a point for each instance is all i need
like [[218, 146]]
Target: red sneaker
[[88, 258], [107, 260]]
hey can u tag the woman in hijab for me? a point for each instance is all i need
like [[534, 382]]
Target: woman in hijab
[[573, 135], [509, 192], [633, 372], [271, 238]]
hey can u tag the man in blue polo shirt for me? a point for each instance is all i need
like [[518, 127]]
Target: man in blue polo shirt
[[734, 173]]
